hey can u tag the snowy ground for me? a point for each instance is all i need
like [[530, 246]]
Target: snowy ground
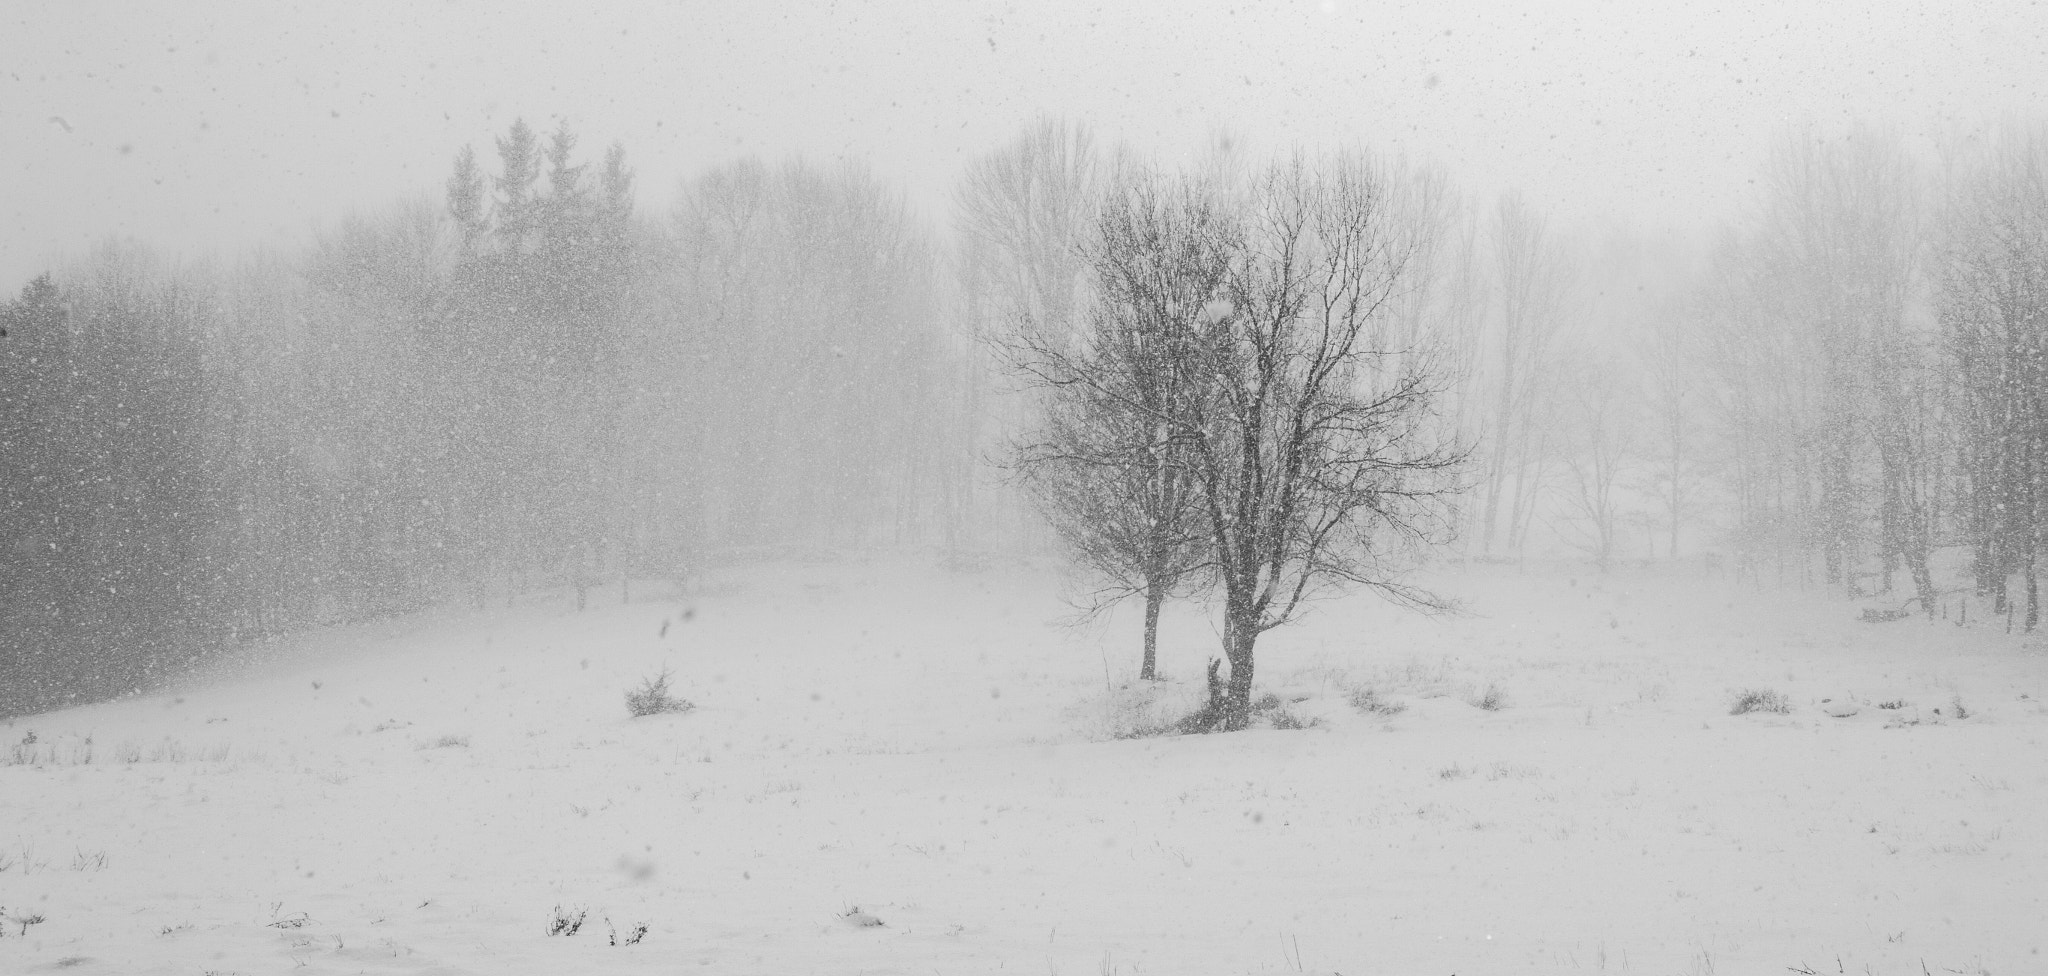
[[930, 749]]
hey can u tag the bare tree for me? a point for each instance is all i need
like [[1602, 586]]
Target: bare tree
[[1992, 302], [1672, 436], [1022, 214], [1839, 233], [1106, 467], [1533, 281], [1316, 455], [1599, 436]]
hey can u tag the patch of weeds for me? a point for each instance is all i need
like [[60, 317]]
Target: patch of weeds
[[175, 929], [632, 937], [296, 920], [95, 861], [1492, 699], [27, 859], [653, 697], [1760, 700], [859, 919], [387, 726], [1508, 770], [1286, 721], [1453, 771], [1204, 719], [1274, 710], [26, 753], [1893, 705], [447, 742], [566, 923], [1955, 704], [1201, 721], [1367, 699]]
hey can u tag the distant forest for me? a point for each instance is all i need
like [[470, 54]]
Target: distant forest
[[530, 381]]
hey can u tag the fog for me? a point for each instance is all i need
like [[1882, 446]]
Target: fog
[[209, 129], [1064, 487], [326, 314]]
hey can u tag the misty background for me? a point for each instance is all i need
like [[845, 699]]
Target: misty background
[[319, 314]]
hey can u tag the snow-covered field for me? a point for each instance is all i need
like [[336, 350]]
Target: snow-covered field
[[885, 742]]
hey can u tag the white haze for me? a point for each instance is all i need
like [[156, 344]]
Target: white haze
[[211, 127]]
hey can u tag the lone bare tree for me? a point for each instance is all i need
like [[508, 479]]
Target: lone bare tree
[[1315, 454]]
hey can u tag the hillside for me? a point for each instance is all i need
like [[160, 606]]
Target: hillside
[[883, 742]]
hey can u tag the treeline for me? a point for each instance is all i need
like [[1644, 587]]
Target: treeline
[[1841, 388], [526, 383], [530, 381]]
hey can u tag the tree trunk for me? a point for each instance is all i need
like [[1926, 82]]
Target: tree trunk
[[1155, 594], [1239, 635], [2033, 597], [1985, 569]]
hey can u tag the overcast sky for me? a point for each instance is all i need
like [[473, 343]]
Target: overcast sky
[[210, 126]]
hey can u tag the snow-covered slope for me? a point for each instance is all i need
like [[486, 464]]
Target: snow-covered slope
[[894, 769]]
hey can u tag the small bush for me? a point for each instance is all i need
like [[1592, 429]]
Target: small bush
[[25, 919], [1368, 700], [1491, 699], [653, 697], [632, 937], [1760, 700], [564, 922], [1955, 704], [1893, 705]]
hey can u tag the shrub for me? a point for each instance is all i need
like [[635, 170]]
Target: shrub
[[26, 918], [565, 922], [1491, 699], [633, 935], [1760, 700], [1955, 703], [653, 698]]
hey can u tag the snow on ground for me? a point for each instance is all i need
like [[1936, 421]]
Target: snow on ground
[[887, 743]]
